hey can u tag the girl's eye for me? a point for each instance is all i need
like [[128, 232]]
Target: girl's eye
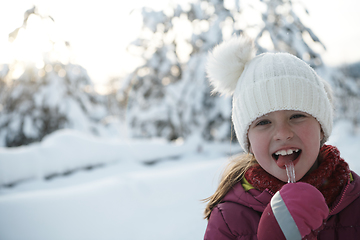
[[263, 122], [297, 116]]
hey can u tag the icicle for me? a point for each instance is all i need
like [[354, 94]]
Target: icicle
[[290, 171]]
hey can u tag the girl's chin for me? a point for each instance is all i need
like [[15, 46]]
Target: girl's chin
[[281, 177]]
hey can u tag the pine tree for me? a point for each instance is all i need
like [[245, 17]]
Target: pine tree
[[170, 95], [44, 99], [346, 86], [286, 32]]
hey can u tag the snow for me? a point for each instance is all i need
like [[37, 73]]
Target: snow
[[141, 190], [67, 150], [160, 203], [347, 139]]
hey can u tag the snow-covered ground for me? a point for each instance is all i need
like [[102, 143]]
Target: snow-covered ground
[[117, 189]]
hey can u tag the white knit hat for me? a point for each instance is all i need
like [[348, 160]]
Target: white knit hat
[[266, 83]]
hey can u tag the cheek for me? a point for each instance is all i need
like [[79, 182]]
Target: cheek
[[312, 134], [256, 142], [252, 142]]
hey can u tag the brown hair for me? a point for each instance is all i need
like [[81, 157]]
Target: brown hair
[[233, 173]]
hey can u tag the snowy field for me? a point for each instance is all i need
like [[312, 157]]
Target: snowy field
[[77, 187]]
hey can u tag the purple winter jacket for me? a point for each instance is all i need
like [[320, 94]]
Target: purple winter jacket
[[238, 215]]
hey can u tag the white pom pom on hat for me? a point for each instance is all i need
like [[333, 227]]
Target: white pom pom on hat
[[266, 83], [226, 63]]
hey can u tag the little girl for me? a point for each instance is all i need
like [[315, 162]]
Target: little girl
[[282, 115]]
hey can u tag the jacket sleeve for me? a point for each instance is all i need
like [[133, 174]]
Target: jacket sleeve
[[217, 228], [294, 212], [232, 221]]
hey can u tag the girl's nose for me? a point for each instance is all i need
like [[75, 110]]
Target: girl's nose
[[283, 132]]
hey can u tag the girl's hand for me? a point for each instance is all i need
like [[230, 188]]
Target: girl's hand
[[298, 210]]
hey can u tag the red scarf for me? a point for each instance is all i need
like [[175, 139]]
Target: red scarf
[[329, 178]]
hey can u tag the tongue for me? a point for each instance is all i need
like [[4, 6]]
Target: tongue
[[282, 160]]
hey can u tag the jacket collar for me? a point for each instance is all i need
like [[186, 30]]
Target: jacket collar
[[252, 198], [350, 192]]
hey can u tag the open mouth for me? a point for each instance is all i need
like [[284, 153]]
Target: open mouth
[[286, 155]]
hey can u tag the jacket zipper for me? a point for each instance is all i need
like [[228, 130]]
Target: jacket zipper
[[342, 197]]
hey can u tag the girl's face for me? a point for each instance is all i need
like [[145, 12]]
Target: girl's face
[[282, 136]]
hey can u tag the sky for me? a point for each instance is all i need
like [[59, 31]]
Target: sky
[[99, 33]]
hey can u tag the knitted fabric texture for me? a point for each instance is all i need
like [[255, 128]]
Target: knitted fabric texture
[[329, 178], [272, 82]]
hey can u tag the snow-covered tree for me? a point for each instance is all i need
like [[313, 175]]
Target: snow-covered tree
[[170, 95], [284, 31], [346, 85], [38, 105], [45, 97]]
